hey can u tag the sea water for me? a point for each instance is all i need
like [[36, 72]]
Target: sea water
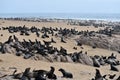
[[83, 16]]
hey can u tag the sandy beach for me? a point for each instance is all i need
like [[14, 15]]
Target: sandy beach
[[80, 71]]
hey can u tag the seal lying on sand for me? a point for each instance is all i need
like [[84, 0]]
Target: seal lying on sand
[[113, 68], [66, 74]]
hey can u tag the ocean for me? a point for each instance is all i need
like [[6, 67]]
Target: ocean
[[81, 16]]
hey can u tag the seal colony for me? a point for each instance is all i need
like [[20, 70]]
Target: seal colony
[[44, 49]]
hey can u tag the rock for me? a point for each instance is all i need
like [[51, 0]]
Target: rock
[[49, 58], [81, 61], [63, 58], [100, 41], [58, 58], [83, 58], [38, 57], [8, 49], [7, 78], [69, 59]]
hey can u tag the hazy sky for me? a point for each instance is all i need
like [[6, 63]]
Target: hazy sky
[[59, 6]]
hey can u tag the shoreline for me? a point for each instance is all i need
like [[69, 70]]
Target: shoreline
[[114, 17], [79, 19]]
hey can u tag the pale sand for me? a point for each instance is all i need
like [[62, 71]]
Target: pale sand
[[80, 71], [46, 24]]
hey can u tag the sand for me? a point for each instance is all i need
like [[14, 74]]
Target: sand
[[80, 71]]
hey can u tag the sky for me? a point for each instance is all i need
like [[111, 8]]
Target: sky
[[59, 6]]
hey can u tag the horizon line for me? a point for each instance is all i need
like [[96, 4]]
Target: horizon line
[[59, 13]]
